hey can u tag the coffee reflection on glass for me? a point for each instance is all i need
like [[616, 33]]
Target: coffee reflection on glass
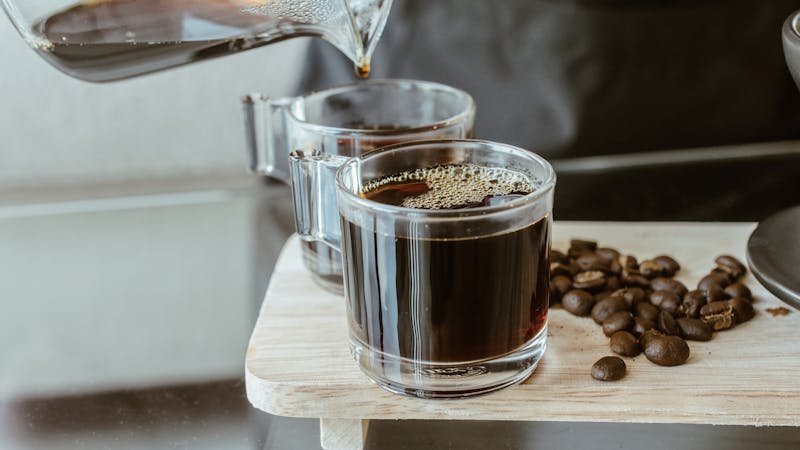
[[446, 247], [350, 121]]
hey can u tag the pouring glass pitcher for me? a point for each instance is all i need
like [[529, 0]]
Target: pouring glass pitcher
[[104, 40]]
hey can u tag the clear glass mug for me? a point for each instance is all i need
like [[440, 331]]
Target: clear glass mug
[[440, 303], [343, 122]]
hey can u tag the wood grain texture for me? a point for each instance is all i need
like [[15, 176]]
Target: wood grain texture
[[298, 363], [343, 434]]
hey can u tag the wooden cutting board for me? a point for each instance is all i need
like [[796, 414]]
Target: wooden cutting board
[[298, 363]]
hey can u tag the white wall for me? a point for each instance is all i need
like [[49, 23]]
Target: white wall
[[55, 130]]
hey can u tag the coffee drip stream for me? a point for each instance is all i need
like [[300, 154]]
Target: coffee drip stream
[[105, 40]]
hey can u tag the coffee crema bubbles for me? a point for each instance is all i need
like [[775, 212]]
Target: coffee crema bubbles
[[453, 186]]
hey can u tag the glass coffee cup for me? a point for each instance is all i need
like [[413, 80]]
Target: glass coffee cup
[[446, 247], [348, 121]]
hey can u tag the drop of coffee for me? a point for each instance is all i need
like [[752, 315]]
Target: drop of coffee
[[363, 70]]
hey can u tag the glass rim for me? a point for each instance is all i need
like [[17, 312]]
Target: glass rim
[[547, 184], [796, 24], [447, 122], [791, 27]]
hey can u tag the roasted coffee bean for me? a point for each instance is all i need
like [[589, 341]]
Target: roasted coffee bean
[[724, 275], [731, 265], [632, 295], [694, 329], [732, 271], [578, 302], [632, 278], [647, 335], [672, 305], [668, 264], [669, 284], [719, 322], [579, 247], [608, 255], [608, 306], [692, 302], [714, 278], [717, 307], [641, 307], [630, 263], [619, 321], [601, 295], [640, 325], [650, 269], [558, 257], [710, 281], [666, 350], [555, 296], [667, 324], [608, 368], [742, 310], [714, 293], [646, 310], [638, 294], [593, 280], [718, 315], [583, 244], [625, 344], [558, 268], [739, 290], [665, 300], [590, 261], [573, 252], [613, 283], [615, 268], [562, 283]]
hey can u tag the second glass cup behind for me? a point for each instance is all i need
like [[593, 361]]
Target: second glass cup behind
[[343, 122]]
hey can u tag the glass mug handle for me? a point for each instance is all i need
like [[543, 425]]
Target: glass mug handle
[[313, 181], [266, 135]]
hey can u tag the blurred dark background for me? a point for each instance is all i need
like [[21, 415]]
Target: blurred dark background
[[572, 79]]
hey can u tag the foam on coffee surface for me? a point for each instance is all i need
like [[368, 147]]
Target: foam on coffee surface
[[457, 185]]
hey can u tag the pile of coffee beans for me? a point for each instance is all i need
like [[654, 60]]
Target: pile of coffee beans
[[641, 307]]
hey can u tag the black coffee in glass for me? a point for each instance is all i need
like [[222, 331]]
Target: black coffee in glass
[[448, 300]]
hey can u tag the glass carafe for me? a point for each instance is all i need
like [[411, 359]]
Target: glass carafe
[[104, 40]]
